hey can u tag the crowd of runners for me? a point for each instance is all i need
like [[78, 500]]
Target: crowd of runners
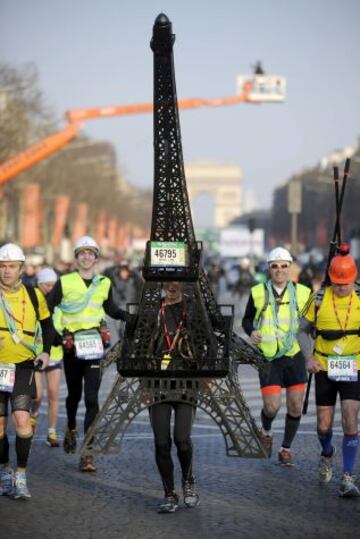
[[62, 319]]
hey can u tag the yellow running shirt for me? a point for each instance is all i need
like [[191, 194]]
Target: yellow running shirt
[[25, 319]]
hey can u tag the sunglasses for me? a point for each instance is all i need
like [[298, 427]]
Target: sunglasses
[[279, 266]]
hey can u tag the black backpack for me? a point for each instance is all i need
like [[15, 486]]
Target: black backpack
[[34, 299]]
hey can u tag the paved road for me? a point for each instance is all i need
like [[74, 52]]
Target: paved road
[[239, 498]]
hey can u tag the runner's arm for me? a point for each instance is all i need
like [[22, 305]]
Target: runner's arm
[[48, 333], [54, 297], [307, 345], [304, 337], [248, 319]]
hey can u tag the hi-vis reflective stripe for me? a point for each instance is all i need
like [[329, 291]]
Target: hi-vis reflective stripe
[[270, 322], [96, 305], [79, 319], [268, 338]]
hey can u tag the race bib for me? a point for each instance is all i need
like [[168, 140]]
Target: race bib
[[168, 253], [7, 377], [342, 368], [88, 345]]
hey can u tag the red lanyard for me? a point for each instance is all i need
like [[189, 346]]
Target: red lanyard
[[347, 312], [23, 302], [171, 343]]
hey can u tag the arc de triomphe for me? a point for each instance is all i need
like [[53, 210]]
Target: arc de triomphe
[[222, 181]]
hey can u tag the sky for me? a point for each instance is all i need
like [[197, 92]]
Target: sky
[[96, 52]]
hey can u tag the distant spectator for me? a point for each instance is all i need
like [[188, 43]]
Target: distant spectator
[[243, 285], [214, 273], [246, 278], [295, 270], [307, 274], [261, 273], [126, 286], [126, 283], [28, 276]]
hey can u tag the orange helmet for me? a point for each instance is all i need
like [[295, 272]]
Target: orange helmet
[[343, 270]]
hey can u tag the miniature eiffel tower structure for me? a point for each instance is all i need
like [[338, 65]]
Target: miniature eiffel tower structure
[[211, 381]]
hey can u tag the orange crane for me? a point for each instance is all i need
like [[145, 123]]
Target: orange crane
[[255, 89]]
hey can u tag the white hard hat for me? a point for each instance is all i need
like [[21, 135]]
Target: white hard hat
[[279, 253], [86, 242], [47, 275], [10, 252]]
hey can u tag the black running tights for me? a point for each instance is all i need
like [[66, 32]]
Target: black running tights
[[77, 371], [160, 416]]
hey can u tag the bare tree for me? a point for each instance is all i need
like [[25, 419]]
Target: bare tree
[[87, 170], [24, 118]]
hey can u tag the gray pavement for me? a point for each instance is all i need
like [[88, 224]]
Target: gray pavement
[[239, 498]]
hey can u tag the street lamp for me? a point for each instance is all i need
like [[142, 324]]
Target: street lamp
[[294, 208]]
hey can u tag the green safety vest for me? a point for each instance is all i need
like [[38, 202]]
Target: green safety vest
[[272, 336], [74, 290]]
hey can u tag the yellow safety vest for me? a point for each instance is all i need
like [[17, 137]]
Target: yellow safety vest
[[56, 354], [74, 289], [272, 337], [56, 318], [326, 320]]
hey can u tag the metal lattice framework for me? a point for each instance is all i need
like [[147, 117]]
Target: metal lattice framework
[[213, 386], [221, 399], [208, 339], [171, 218]]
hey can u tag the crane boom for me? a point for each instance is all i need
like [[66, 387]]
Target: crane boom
[[53, 143], [35, 153], [79, 115]]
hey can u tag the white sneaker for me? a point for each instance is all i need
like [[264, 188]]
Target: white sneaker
[[347, 487], [20, 489], [170, 504], [6, 481], [191, 498], [325, 468]]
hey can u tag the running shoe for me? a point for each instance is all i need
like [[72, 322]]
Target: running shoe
[[6, 481], [52, 440], [191, 498], [325, 467], [33, 423], [70, 441], [285, 457], [170, 504], [20, 492], [87, 464], [267, 441], [348, 489]]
